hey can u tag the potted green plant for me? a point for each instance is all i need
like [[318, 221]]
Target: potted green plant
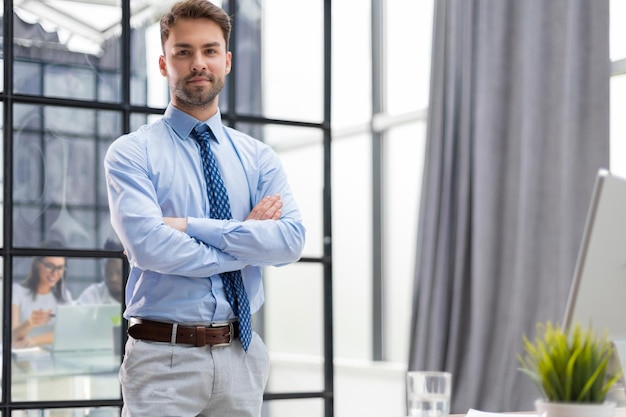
[[572, 369]]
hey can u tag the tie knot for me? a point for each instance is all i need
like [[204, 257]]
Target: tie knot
[[202, 132]]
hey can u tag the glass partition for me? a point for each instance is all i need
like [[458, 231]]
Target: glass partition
[[292, 70], [69, 412], [58, 182], [301, 151], [66, 328], [58, 54], [293, 327]]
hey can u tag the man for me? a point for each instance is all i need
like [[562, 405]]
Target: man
[[108, 291], [190, 350]]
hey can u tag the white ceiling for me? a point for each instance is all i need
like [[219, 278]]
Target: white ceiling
[[83, 25]]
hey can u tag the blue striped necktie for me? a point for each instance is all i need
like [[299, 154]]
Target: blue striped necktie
[[220, 209]]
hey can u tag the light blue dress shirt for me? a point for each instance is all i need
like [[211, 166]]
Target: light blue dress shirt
[[156, 172]]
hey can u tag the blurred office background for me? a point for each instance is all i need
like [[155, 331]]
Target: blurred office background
[[341, 89]]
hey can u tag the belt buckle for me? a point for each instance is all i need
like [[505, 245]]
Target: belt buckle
[[231, 332]]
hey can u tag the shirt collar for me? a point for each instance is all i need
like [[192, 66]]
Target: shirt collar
[[183, 123]]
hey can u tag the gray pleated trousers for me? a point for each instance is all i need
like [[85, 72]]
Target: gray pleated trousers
[[166, 380]]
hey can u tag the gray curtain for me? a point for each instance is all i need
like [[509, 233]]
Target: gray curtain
[[517, 130]]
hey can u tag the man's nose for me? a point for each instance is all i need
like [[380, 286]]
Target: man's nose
[[198, 63]]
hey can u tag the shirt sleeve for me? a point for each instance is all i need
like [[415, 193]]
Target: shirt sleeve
[[258, 242], [138, 219]]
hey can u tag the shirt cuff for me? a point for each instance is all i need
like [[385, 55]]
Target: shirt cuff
[[209, 231]]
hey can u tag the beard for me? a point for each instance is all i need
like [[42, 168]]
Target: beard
[[191, 96]]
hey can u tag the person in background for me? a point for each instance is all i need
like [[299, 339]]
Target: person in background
[[108, 291], [35, 301], [195, 253]]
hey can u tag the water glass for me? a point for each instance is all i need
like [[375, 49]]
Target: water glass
[[428, 393]]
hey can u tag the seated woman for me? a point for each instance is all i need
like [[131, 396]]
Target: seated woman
[[35, 301]]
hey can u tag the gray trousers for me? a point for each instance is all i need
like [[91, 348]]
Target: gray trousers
[[166, 380]]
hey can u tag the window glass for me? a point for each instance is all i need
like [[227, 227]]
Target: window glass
[[66, 328], [407, 50], [617, 31], [313, 407], [28, 77], [58, 185], [292, 327], [618, 125], [2, 180], [69, 412], [139, 119], [292, 69], [59, 80], [301, 152], [1, 312], [352, 68], [352, 245], [404, 163], [148, 86], [73, 58]]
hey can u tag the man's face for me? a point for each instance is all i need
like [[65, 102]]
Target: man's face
[[113, 277], [195, 62]]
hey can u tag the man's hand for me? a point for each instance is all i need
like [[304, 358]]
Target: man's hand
[[269, 208]]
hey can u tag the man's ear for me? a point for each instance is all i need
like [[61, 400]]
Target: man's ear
[[229, 57], [162, 66]]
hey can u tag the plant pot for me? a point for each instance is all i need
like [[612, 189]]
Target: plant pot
[[554, 409]]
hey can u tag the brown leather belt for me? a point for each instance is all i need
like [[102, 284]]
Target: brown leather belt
[[218, 334]]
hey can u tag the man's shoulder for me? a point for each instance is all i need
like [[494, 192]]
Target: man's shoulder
[[241, 139], [141, 137], [152, 130], [238, 134]]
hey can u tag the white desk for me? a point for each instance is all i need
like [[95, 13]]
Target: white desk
[[619, 412], [42, 376]]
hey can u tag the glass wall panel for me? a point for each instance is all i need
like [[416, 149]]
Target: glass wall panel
[[28, 77], [2, 180], [352, 246], [148, 86], [618, 125], [302, 408], [301, 151], [293, 58], [139, 119], [352, 66], [58, 185], [617, 29], [66, 55], [66, 318], [408, 28], [1, 312], [403, 166], [293, 327], [2, 51], [69, 412]]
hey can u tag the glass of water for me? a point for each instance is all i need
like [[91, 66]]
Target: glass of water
[[428, 393]]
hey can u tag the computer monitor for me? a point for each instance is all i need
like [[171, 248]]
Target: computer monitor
[[597, 295]]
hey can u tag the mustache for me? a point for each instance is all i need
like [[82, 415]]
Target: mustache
[[203, 74]]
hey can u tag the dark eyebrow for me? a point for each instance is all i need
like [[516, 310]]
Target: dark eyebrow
[[206, 45]]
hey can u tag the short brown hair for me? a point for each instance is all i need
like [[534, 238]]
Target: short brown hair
[[195, 9]]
